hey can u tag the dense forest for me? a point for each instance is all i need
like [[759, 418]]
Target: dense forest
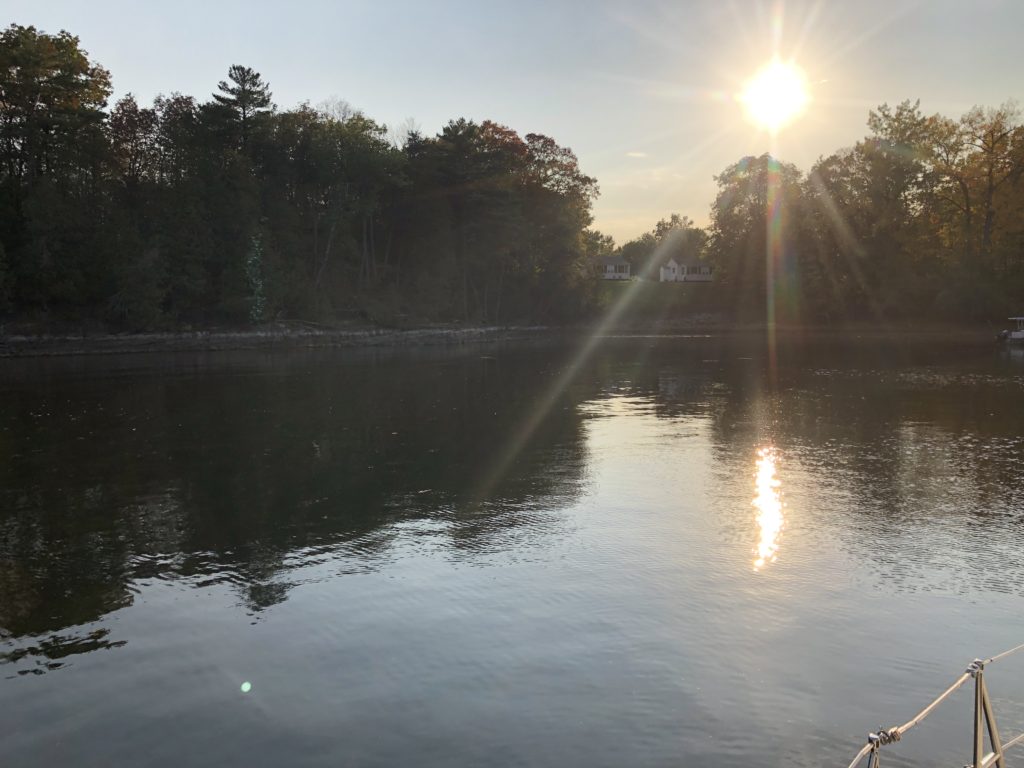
[[194, 213], [231, 211], [922, 218]]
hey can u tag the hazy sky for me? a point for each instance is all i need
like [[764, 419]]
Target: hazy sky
[[642, 91]]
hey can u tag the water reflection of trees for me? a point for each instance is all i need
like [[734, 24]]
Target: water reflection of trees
[[244, 473], [919, 448]]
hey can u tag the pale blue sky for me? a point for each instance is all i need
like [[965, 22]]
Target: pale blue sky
[[642, 91]]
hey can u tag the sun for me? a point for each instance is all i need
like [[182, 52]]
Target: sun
[[776, 95]]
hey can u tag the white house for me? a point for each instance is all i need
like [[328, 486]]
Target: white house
[[689, 271], [615, 268]]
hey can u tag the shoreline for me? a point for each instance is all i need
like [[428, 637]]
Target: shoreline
[[59, 345], [280, 337]]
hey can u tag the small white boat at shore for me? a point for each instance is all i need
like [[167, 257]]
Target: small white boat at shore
[[1015, 336]]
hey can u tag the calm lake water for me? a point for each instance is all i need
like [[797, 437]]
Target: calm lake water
[[670, 552]]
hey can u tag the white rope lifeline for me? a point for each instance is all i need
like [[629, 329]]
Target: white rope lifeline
[[1004, 653], [888, 736]]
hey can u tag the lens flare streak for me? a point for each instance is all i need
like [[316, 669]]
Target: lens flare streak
[[768, 503]]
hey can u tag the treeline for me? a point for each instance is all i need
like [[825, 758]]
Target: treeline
[[230, 211], [922, 218], [925, 216]]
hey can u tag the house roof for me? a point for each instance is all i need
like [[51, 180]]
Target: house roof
[[613, 261], [692, 261]]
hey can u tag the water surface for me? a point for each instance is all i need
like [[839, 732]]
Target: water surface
[[672, 552]]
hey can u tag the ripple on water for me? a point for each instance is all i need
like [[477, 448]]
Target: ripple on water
[[403, 577]]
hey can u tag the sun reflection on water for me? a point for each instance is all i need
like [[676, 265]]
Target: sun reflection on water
[[768, 503]]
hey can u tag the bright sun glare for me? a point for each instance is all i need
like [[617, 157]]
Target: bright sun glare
[[768, 503], [776, 95]]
